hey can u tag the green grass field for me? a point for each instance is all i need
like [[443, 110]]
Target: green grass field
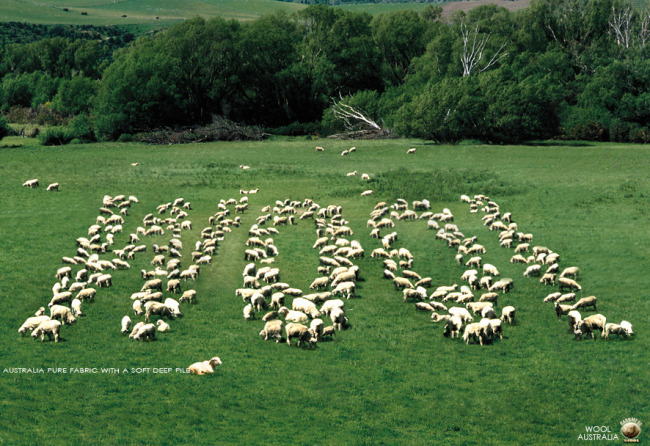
[[101, 12], [392, 378]]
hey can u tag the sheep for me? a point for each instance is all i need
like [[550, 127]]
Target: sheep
[[435, 317], [348, 288], [277, 300], [329, 305], [135, 329], [533, 270], [488, 312], [258, 302], [588, 325], [316, 328], [126, 324], [561, 310], [31, 183], [271, 315], [477, 307], [569, 297], [571, 271], [485, 282], [401, 282], [573, 317], [508, 314], [340, 321], [496, 328], [137, 308], [162, 326], [318, 298], [60, 298], [105, 280], [411, 274], [75, 306], [424, 306], [418, 293], [627, 327], [40, 312], [32, 322], [490, 269], [174, 286], [476, 248], [301, 332], [547, 279], [462, 313], [453, 327], [475, 331], [585, 302], [153, 307], [249, 312], [293, 316], [305, 306], [620, 330], [459, 259], [50, 328], [146, 331], [272, 329], [411, 151], [189, 296], [474, 261], [173, 306], [153, 284], [65, 271], [425, 282]]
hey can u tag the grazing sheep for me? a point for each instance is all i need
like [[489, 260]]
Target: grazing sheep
[[153, 284], [477, 307], [329, 305], [627, 327], [561, 310], [316, 328], [173, 306], [573, 317], [348, 288], [126, 324], [496, 328], [552, 297], [174, 286], [65, 271], [508, 314], [340, 321], [435, 317], [60, 298], [401, 282], [418, 293], [31, 323], [548, 279], [462, 313], [40, 312], [411, 151], [258, 302], [453, 327], [589, 324], [50, 328], [75, 306], [293, 316], [104, 280], [621, 330], [31, 183], [533, 270], [585, 302], [569, 297], [146, 331], [157, 308], [488, 312], [163, 327], [571, 271], [137, 308], [272, 330], [475, 331], [301, 332], [189, 296]]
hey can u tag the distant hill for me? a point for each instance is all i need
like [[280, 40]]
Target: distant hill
[[450, 7]]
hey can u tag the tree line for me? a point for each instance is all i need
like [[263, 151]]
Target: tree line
[[574, 69]]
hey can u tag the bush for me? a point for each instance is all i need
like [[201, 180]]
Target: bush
[[54, 136], [77, 131], [296, 129], [4, 127]]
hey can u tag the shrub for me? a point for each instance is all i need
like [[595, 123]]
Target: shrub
[[4, 127]]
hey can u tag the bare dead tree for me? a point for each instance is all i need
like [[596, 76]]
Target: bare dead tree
[[473, 47], [620, 24], [351, 116], [644, 30]]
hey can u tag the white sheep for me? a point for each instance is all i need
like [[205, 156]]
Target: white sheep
[[488, 312], [585, 302], [293, 316], [453, 327], [301, 332], [573, 317], [204, 368], [249, 312], [508, 314], [163, 326], [189, 296], [462, 313], [126, 324], [31, 323], [337, 315], [571, 271], [411, 151], [475, 331], [157, 308], [272, 329], [174, 307], [533, 270], [75, 306], [316, 328], [490, 269], [31, 183], [146, 331], [63, 313], [50, 328], [60, 298], [589, 324]]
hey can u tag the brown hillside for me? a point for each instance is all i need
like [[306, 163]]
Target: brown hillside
[[449, 8]]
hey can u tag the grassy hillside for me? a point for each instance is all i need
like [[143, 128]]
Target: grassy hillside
[[392, 377], [136, 11]]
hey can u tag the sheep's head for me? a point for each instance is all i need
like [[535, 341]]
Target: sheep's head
[[215, 361]]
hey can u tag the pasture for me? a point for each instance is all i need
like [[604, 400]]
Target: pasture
[[391, 377]]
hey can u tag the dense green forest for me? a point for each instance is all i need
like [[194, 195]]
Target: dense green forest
[[575, 69]]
